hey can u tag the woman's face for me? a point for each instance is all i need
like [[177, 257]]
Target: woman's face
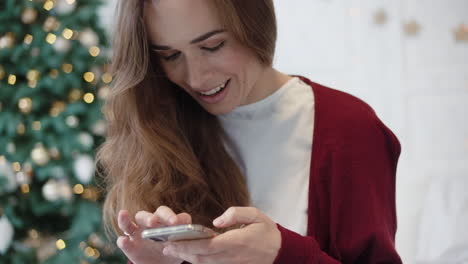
[[199, 56]]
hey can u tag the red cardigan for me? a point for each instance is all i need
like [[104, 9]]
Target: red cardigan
[[351, 213]]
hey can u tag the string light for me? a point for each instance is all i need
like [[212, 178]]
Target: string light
[[78, 189], [60, 244], [88, 76], [48, 5], [11, 79], [51, 38], [88, 98], [67, 33], [94, 51], [28, 39]]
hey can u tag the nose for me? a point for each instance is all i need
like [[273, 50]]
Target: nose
[[196, 73]]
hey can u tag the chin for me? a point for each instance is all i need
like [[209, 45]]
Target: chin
[[218, 110]]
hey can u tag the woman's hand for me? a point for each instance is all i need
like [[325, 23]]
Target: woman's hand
[[142, 251], [258, 242]]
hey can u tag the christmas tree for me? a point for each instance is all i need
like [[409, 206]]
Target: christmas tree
[[52, 81]]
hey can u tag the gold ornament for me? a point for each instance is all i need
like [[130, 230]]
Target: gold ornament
[[32, 75], [57, 108], [53, 73], [461, 33], [28, 15], [74, 95], [54, 153], [2, 73], [20, 129], [103, 92], [36, 125], [67, 68], [50, 24], [25, 105], [106, 78], [412, 28], [39, 155], [380, 17], [7, 40]]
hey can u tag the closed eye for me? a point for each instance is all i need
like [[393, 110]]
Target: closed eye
[[176, 55], [215, 48], [172, 56]]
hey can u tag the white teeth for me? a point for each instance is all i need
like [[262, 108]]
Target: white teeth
[[215, 90]]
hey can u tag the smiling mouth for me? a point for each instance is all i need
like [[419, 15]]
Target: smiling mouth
[[216, 90]]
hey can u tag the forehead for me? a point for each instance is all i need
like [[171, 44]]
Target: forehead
[[172, 22]]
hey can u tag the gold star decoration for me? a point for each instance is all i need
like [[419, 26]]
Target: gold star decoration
[[461, 33], [412, 28], [380, 17]]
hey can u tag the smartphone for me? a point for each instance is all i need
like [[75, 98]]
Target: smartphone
[[177, 233]]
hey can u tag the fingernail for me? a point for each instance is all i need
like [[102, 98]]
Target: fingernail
[[218, 222], [165, 251], [173, 219]]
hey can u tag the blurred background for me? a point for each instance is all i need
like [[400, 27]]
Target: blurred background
[[408, 59]]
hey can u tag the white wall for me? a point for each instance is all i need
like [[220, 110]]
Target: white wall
[[418, 85]]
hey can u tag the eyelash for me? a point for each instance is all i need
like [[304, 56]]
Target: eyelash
[[176, 55]]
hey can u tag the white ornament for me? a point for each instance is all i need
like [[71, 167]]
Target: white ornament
[[89, 38], [6, 231], [86, 140], [84, 168], [40, 155], [62, 45], [6, 171], [72, 121], [63, 7], [99, 128], [11, 148], [51, 191]]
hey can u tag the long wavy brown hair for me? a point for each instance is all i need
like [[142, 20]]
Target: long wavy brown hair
[[162, 147]]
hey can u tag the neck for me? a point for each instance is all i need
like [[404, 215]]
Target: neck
[[268, 83]]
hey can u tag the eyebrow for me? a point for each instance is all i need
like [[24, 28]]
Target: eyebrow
[[196, 40]]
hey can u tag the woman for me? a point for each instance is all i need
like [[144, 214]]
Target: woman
[[203, 130]]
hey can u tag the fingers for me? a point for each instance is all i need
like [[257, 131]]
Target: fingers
[[239, 215], [165, 215], [125, 223], [146, 219], [184, 219]]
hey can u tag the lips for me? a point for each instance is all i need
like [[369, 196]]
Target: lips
[[216, 94], [214, 90]]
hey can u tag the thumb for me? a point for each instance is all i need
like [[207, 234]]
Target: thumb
[[239, 215]]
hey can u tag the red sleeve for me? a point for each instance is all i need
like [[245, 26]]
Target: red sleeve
[[357, 181]]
